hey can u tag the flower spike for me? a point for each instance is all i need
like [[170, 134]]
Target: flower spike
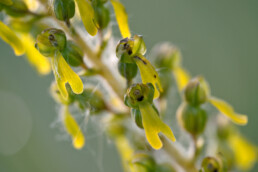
[[11, 38], [122, 18], [87, 15], [73, 129], [140, 96], [64, 74]]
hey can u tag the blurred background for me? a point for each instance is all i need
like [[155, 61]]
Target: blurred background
[[218, 39]]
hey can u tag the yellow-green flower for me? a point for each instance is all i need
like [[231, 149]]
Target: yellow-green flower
[[198, 91], [51, 43], [140, 96], [73, 129], [12, 39]]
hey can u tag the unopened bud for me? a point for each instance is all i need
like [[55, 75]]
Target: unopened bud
[[192, 119], [127, 70], [102, 16], [194, 93], [64, 9]]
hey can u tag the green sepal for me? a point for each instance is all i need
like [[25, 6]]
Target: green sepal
[[72, 54], [127, 70]]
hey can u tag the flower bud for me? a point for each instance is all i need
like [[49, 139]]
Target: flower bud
[[50, 41], [6, 2], [192, 119], [136, 113], [194, 93], [17, 9], [166, 56], [210, 164], [64, 9], [72, 54], [127, 70], [102, 16], [138, 94]]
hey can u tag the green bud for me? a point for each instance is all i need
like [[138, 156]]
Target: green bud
[[192, 119], [64, 9], [194, 93], [127, 70], [138, 94], [144, 162], [50, 41], [72, 54], [102, 16], [210, 164], [17, 9], [137, 117], [6, 2], [166, 56]]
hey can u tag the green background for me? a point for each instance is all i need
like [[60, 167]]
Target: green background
[[218, 39]]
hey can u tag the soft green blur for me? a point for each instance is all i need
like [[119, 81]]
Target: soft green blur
[[218, 39]]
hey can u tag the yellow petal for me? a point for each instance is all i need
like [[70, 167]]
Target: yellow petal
[[11, 38], [74, 130], [148, 73], [64, 74], [87, 16], [245, 152], [33, 55], [228, 111], [153, 125], [182, 77], [122, 18], [126, 152]]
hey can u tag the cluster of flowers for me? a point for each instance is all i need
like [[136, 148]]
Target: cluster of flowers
[[41, 32]]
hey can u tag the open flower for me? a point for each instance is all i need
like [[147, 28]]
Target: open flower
[[140, 96], [198, 92], [51, 43], [73, 129], [132, 51]]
